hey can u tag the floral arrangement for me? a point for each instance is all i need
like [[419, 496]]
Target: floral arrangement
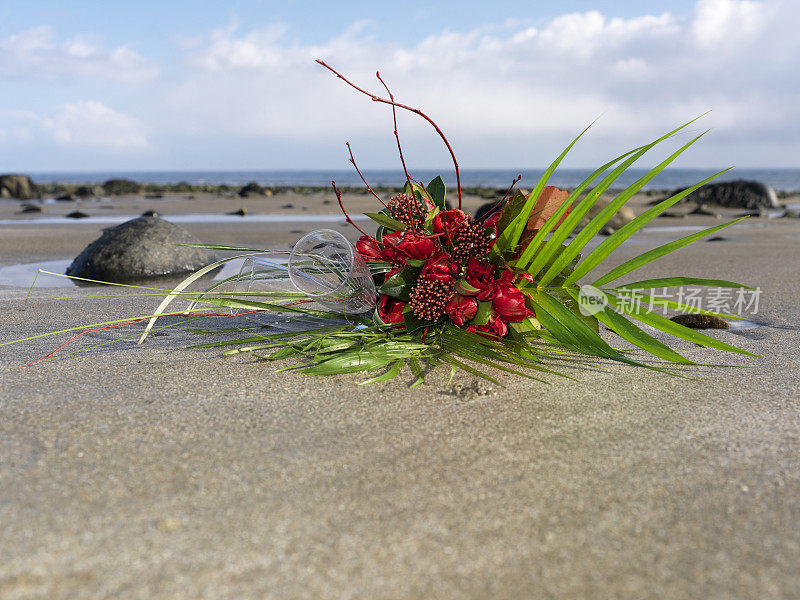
[[498, 290]]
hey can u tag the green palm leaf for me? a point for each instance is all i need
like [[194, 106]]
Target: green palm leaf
[[611, 243], [599, 221], [651, 255], [534, 264]]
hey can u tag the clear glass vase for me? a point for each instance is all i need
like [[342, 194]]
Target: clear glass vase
[[324, 266]]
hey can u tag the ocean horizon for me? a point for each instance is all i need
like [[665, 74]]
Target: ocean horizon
[[780, 179]]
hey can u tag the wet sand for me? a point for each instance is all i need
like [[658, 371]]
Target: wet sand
[[156, 472]]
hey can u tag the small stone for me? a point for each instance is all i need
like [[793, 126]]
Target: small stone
[[77, 214], [251, 189], [29, 208], [287, 206], [717, 238], [121, 187], [149, 213], [695, 321], [239, 213], [84, 191]]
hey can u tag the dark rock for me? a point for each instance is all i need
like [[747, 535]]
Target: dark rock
[[251, 189], [154, 196], [751, 213], [671, 215], [735, 194], [18, 186], [29, 208], [139, 249], [149, 213], [607, 230], [287, 206], [702, 210], [717, 238], [695, 321], [84, 191], [76, 214], [241, 212], [65, 198], [120, 187]]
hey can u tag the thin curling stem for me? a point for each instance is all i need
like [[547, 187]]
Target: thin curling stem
[[396, 135], [369, 189], [347, 217], [501, 204], [408, 108]]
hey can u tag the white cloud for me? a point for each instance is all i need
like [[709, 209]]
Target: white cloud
[[504, 92], [719, 21], [35, 54], [91, 123], [509, 79]]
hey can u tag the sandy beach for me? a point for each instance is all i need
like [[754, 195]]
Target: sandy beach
[[158, 472]]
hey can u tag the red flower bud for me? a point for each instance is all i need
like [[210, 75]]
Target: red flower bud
[[390, 309], [369, 248], [491, 222], [461, 309], [452, 219], [509, 302], [415, 246], [440, 267]]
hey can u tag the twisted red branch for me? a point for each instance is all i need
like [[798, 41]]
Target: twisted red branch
[[396, 135], [417, 111], [369, 189]]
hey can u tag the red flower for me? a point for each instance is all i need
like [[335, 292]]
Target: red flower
[[480, 275], [440, 267], [461, 309], [495, 329], [415, 246], [452, 219], [390, 309], [369, 248], [509, 302], [390, 252]]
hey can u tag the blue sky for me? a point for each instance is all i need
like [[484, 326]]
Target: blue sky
[[188, 85]]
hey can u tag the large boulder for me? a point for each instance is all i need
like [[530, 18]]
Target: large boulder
[[121, 187], [18, 186], [140, 249], [735, 194]]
